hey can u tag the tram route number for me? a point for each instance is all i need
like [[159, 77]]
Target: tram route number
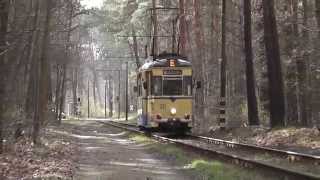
[[172, 72]]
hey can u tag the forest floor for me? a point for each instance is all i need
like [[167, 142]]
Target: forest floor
[[84, 150], [109, 153], [52, 159], [305, 140], [87, 150]]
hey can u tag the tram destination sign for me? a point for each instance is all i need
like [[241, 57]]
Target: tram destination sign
[[172, 72]]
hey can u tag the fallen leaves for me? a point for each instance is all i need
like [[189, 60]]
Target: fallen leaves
[[301, 139], [52, 159], [304, 137]]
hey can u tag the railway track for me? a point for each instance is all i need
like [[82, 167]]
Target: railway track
[[291, 165]]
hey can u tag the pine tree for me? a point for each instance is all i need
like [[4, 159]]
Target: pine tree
[[251, 91], [271, 40]]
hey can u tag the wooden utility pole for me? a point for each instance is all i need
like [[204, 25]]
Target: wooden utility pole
[[105, 98], [58, 87], [119, 94], [110, 96], [251, 90], [223, 69], [271, 39], [223, 72], [88, 98], [127, 89]]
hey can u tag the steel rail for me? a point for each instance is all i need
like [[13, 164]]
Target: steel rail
[[289, 154], [247, 162], [231, 144], [235, 158]]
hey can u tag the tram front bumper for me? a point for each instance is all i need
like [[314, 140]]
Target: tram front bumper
[[173, 123]]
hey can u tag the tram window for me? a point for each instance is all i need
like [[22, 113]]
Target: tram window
[[172, 86], [139, 85], [157, 86], [187, 86]]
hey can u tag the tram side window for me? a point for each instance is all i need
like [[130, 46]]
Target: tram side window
[[187, 86], [156, 86], [139, 88]]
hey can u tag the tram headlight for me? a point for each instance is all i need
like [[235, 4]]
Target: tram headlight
[[173, 111]]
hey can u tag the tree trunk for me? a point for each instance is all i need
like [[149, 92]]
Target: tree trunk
[[4, 14], [290, 38], [276, 94], [189, 40], [65, 64], [198, 75], [94, 87], [30, 101], [301, 63], [74, 91], [62, 92], [135, 48], [317, 2], [182, 28], [99, 95], [49, 79], [314, 107], [43, 81], [155, 30], [251, 90]]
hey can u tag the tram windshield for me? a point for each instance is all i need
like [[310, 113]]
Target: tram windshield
[[172, 86]]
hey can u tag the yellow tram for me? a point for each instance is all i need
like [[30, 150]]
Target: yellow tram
[[165, 94]]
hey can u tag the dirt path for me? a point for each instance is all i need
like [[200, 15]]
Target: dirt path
[[107, 153]]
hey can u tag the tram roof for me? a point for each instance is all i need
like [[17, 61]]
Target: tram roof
[[163, 61]]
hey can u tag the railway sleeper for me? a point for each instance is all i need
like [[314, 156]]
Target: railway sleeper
[[293, 158]]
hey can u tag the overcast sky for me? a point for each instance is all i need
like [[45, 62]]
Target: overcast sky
[[92, 3]]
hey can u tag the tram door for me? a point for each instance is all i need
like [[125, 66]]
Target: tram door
[[143, 93]]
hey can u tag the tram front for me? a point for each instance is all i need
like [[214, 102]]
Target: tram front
[[166, 104]]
